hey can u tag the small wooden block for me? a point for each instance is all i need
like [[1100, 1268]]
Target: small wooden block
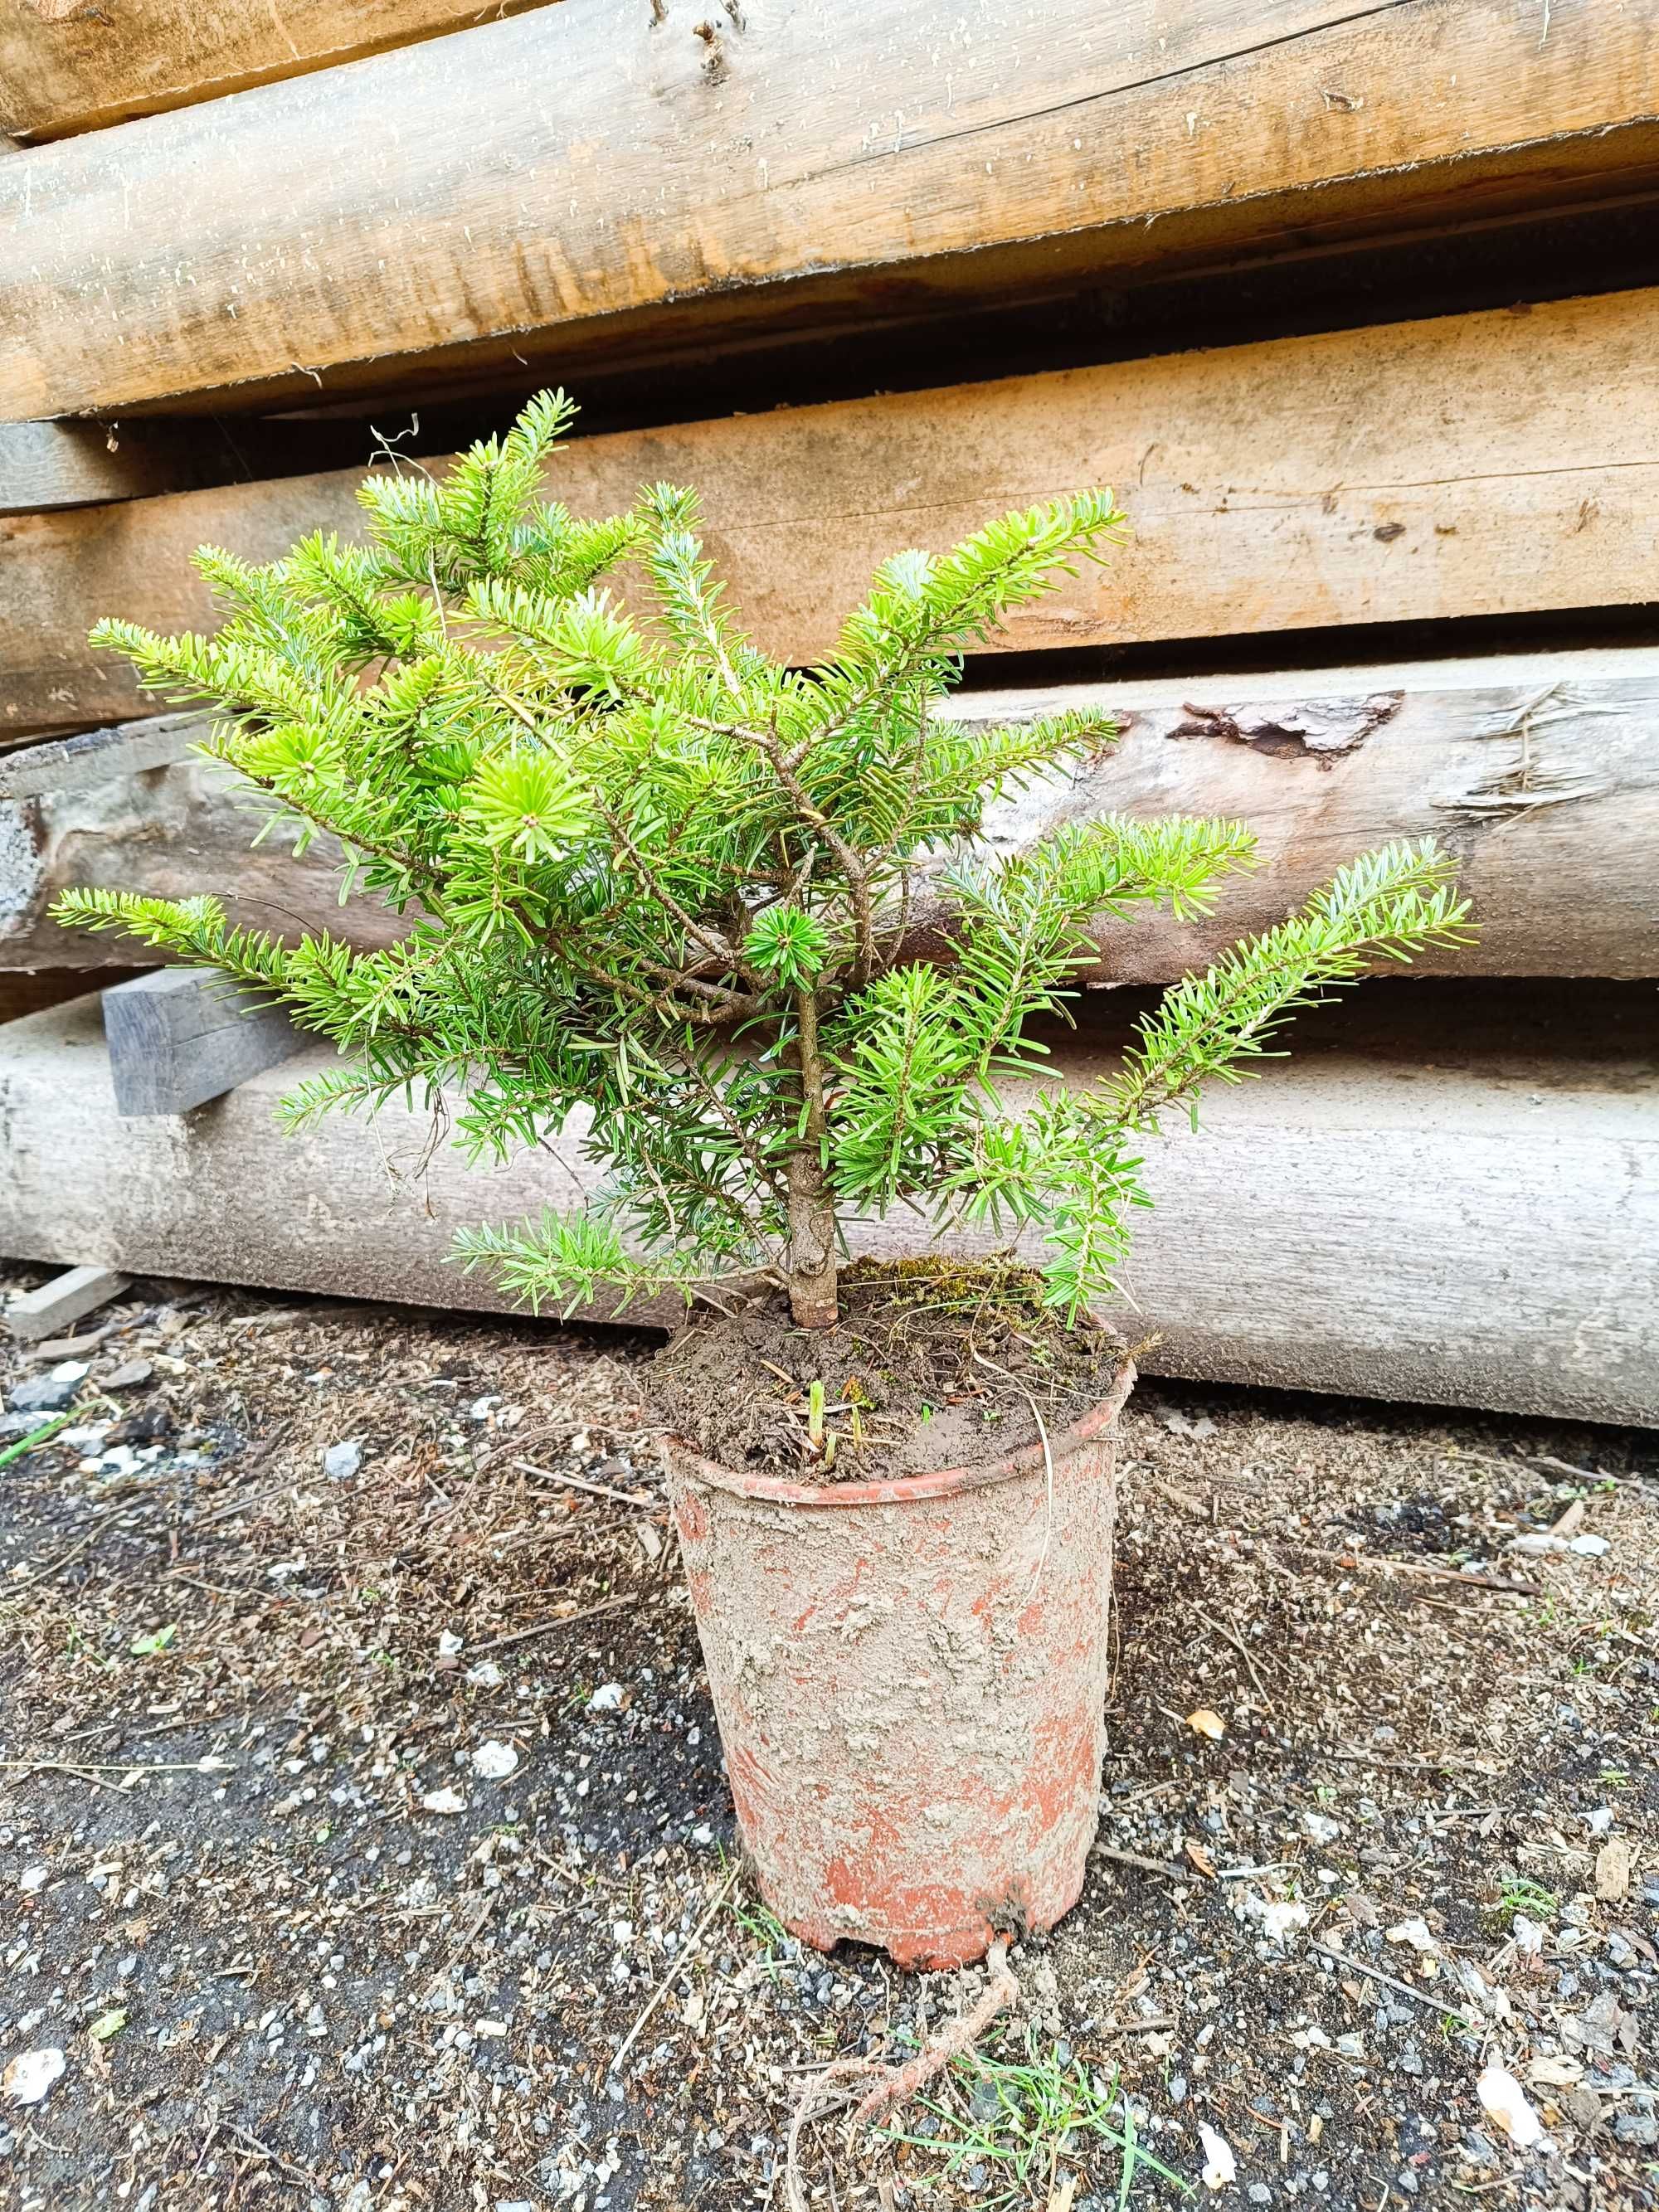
[[56, 1304], [183, 1035]]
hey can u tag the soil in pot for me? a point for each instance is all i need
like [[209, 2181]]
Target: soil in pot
[[931, 1364], [908, 1650]]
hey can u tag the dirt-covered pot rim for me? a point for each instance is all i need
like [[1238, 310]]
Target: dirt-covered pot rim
[[907, 1489]]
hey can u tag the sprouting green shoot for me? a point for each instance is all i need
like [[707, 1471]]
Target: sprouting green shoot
[[1027, 2120]]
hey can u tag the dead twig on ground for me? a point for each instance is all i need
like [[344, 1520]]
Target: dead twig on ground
[[1134, 1859], [632, 1601], [1401, 1989], [674, 1972], [1221, 1629], [899, 2085], [293, 2172], [647, 1498]]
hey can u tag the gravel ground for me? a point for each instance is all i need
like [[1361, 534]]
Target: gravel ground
[[363, 1799]]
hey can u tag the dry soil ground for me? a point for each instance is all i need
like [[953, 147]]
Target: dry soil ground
[[361, 1792]]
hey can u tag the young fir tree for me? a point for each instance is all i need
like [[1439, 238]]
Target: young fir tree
[[652, 874]]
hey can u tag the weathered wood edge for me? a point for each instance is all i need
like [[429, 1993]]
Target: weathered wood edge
[[1459, 465], [666, 190], [1440, 1217], [61, 75], [1540, 772], [178, 1036]]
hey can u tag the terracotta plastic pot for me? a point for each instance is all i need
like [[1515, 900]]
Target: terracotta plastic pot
[[910, 1678]]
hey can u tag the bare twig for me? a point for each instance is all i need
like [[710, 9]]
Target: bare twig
[[649, 1500], [1402, 1989], [294, 2172], [674, 1972], [1221, 1629], [818, 2100], [1134, 1859], [632, 1601]]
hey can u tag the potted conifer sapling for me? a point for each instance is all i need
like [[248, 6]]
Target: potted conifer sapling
[[662, 896]]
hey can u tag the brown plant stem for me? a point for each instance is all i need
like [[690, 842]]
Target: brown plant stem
[[811, 1266]]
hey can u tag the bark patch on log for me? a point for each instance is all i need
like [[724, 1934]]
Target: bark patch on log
[[1309, 729]]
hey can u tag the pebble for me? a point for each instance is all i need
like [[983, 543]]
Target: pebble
[[1589, 1547], [1259, 2193], [494, 1761], [1220, 2167], [32, 2077], [443, 1800], [132, 1375], [46, 1394], [607, 1699], [342, 1460], [32, 1879]]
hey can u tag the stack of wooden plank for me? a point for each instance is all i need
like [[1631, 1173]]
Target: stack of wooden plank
[[1389, 576]]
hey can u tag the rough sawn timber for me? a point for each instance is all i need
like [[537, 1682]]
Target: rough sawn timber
[[67, 69], [1467, 465], [1540, 771], [589, 182], [178, 1036], [89, 464], [1445, 1206]]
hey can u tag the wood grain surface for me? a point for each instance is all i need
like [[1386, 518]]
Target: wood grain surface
[[591, 184]]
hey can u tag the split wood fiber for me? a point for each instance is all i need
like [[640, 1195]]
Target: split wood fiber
[[1540, 771], [69, 65], [1447, 1200], [593, 183], [1467, 465]]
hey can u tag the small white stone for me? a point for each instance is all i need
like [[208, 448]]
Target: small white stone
[[1417, 1933], [607, 1699], [494, 1761], [1589, 1547], [32, 1879], [1505, 2102], [342, 1460], [31, 2078], [70, 1371], [443, 1800], [485, 1675], [1278, 1916], [450, 1645], [1220, 2167]]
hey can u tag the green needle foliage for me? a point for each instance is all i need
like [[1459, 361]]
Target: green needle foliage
[[652, 875]]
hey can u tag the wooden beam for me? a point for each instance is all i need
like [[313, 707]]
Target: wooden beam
[[67, 69], [1455, 1200], [134, 807], [47, 465], [615, 185], [1468, 465], [51, 464], [35, 1315], [1540, 771], [180, 1036]]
